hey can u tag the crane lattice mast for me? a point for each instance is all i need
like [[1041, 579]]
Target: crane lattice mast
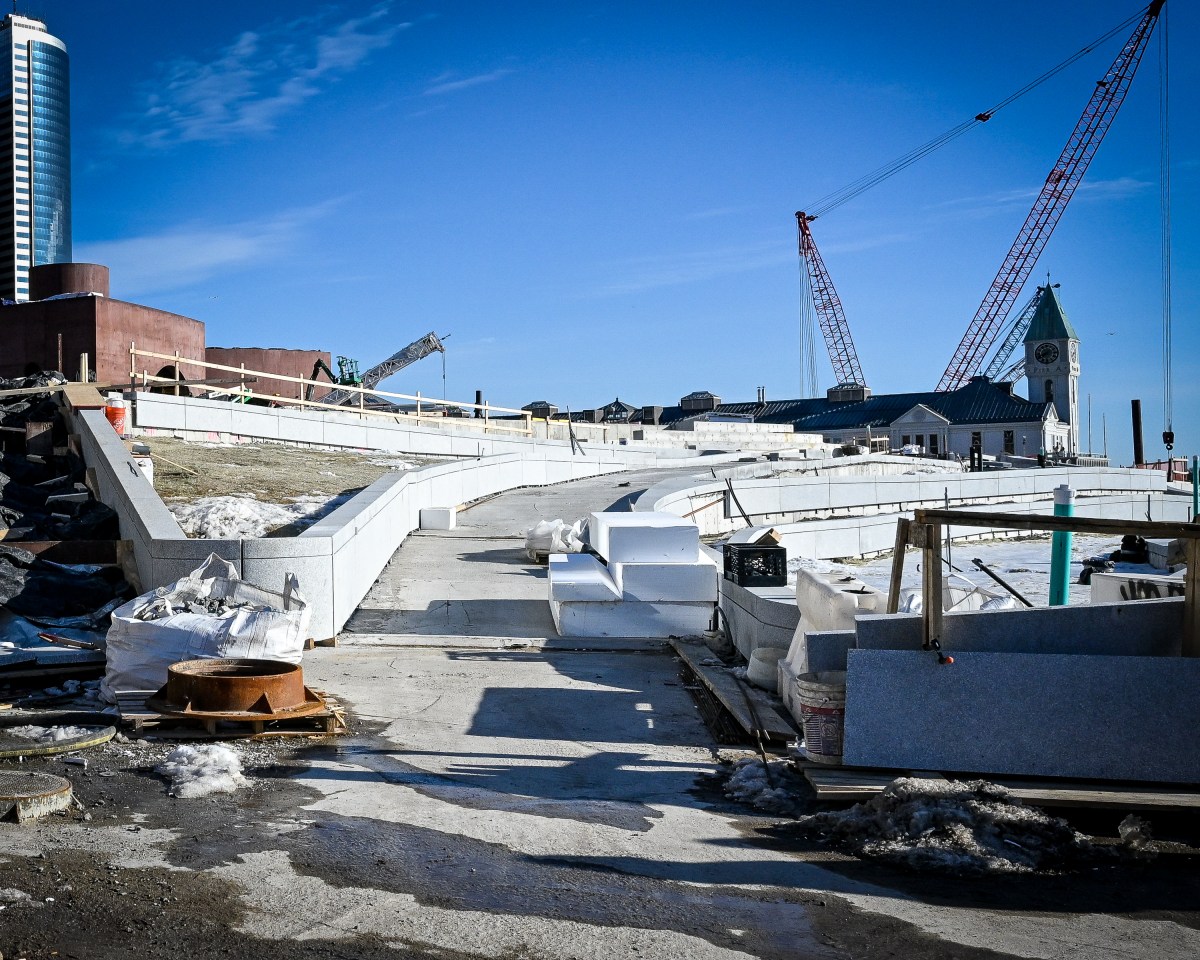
[[415, 351], [1057, 191], [830, 316]]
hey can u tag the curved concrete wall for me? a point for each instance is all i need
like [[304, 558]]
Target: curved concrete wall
[[198, 419], [338, 559], [869, 490]]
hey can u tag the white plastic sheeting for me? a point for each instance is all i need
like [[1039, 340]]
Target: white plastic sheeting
[[159, 628], [554, 536]]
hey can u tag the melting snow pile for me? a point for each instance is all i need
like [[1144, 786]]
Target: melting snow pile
[[50, 734], [203, 770], [243, 517], [948, 826], [776, 790]]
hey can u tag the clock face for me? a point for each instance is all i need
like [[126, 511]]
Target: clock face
[[1045, 353]]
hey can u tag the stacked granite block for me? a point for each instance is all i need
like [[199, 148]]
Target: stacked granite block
[[645, 577]]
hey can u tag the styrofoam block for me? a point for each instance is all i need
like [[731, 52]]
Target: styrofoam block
[[630, 618], [439, 518], [667, 581], [580, 577], [644, 537], [1119, 587], [831, 601]]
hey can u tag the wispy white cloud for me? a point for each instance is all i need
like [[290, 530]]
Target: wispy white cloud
[[262, 75], [647, 273], [449, 82], [983, 204], [194, 252]]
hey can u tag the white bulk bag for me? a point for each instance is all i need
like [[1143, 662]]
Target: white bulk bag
[[140, 650]]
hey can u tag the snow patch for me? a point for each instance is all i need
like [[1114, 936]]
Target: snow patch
[[775, 789], [243, 517], [392, 463], [949, 826], [203, 770]]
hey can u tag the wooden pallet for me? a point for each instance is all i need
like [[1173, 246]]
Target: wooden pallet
[[748, 705], [842, 783], [139, 719]]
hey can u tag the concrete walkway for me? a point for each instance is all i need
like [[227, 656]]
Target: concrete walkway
[[507, 794], [559, 786]]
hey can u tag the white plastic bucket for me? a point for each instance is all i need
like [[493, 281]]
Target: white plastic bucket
[[763, 670], [822, 698]]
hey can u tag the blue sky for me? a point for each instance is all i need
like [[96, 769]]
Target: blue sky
[[597, 199]]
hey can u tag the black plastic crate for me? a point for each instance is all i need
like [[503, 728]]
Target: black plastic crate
[[749, 565]]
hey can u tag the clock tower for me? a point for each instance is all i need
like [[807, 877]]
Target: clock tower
[[1052, 362]]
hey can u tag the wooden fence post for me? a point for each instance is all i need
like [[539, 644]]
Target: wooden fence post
[[903, 532]]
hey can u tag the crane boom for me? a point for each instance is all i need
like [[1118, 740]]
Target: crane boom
[[396, 362], [1056, 192], [830, 315], [1016, 333], [1013, 373]]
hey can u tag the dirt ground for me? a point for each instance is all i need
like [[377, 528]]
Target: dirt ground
[[76, 903], [274, 473]]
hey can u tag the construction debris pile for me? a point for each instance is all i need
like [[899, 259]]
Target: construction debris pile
[[42, 490], [57, 594], [167, 606], [949, 826], [53, 612]]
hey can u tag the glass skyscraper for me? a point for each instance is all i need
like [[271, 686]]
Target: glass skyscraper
[[35, 161]]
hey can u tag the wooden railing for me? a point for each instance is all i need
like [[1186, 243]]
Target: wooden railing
[[239, 388], [926, 528]]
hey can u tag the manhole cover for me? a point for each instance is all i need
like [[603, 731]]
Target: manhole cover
[[90, 736], [28, 796]]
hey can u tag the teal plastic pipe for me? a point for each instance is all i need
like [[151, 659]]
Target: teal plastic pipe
[[1060, 548], [1195, 488]]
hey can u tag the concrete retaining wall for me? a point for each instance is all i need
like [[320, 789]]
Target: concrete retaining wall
[[758, 616], [860, 487], [196, 419], [338, 559]]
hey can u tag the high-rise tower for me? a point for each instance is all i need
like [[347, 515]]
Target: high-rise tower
[[35, 153]]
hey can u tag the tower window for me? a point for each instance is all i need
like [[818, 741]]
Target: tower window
[[1049, 391]]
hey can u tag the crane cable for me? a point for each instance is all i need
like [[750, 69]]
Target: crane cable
[[1164, 201], [834, 200], [808, 342]]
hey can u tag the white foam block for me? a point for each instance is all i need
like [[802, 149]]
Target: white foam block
[[667, 581], [831, 601], [439, 518], [580, 577], [644, 538], [1120, 587], [630, 618]]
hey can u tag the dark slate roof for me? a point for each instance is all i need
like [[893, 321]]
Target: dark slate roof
[[774, 411], [877, 411], [1050, 320], [980, 401]]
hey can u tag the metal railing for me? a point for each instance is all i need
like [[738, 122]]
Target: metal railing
[[240, 390]]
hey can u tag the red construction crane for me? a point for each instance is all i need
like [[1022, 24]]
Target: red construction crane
[[1060, 185], [830, 315]]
